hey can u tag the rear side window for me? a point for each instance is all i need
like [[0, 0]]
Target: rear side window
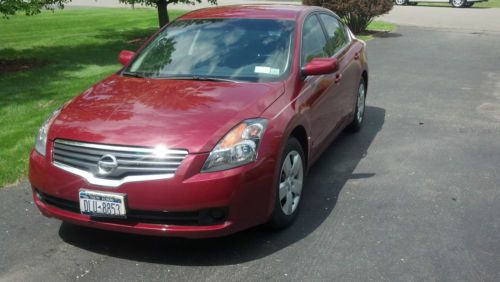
[[337, 34], [313, 40]]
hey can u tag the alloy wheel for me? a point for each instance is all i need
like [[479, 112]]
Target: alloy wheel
[[361, 103], [291, 181]]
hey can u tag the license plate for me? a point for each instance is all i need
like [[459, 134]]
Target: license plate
[[104, 204]]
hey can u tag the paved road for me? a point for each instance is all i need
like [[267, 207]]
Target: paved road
[[414, 196], [467, 20]]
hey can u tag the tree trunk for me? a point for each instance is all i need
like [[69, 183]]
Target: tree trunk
[[161, 6]]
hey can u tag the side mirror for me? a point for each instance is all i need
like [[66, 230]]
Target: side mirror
[[125, 57], [319, 66]]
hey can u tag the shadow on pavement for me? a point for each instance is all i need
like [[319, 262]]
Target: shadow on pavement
[[325, 181], [387, 34]]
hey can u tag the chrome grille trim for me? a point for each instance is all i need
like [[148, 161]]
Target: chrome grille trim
[[132, 163], [116, 148]]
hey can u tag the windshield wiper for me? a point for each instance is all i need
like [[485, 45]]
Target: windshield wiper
[[133, 74], [199, 78]]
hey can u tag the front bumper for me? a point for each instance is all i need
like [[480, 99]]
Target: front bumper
[[246, 193]]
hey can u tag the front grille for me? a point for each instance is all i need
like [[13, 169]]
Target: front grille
[[130, 161], [190, 218]]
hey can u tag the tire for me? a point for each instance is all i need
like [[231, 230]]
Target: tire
[[458, 3], [359, 111], [401, 2], [288, 187]]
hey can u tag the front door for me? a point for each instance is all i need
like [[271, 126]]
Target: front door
[[323, 92]]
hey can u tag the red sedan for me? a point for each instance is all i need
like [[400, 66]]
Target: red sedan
[[209, 128]]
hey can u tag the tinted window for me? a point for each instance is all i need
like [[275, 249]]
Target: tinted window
[[238, 49], [337, 35], [313, 40]]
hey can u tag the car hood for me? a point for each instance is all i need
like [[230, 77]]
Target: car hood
[[192, 115]]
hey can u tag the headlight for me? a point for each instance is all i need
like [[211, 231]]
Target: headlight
[[238, 147], [41, 139]]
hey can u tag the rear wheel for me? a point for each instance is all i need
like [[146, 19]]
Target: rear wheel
[[356, 124], [289, 186], [401, 2], [458, 3]]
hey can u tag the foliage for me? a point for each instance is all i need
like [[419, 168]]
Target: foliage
[[357, 14], [162, 6], [29, 7]]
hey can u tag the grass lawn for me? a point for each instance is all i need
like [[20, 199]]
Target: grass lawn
[[64, 53], [74, 49], [376, 27]]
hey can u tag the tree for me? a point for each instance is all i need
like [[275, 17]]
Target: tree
[[161, 6], [32, 7], [29, 7], [357, 14]]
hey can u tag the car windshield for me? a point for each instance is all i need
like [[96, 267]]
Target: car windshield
[[256, 50]]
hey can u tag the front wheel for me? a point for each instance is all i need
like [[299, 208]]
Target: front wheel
[[289, 186], [458, 3], [401, 2], [359, 111]]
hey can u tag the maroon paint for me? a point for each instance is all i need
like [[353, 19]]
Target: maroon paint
[[125, 57], [320, 66], [195, 115]]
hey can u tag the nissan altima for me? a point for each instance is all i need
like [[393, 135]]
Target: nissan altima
[[209, 128]]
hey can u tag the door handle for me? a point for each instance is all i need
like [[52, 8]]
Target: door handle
[[356, 56], [338, 78]]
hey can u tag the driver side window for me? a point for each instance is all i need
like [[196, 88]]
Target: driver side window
[[313, 40], [337, 35]]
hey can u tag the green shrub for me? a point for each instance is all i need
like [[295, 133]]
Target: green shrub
[[357, 14]]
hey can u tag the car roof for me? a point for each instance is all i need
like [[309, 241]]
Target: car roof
[[252, 11]]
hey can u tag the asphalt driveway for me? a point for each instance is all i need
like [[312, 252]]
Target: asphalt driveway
[[467, 20], [414, 196]]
